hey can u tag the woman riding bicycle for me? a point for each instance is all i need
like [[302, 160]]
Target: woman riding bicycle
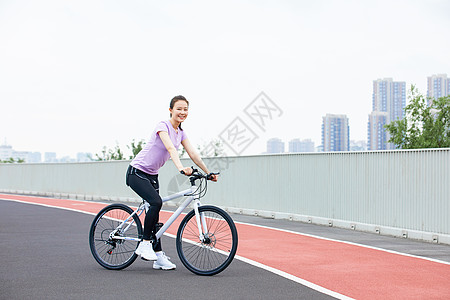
[[142, 175]]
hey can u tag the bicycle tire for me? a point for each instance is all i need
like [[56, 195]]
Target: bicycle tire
[[110, 253], [214, 255]]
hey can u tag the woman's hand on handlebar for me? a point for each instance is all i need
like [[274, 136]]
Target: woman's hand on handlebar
[[190, 171], [213, 177], [187, 171]]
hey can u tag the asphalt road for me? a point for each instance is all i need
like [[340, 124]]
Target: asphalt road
[[45, 255]]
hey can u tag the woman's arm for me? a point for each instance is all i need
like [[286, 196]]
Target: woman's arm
[[196, 158], [173, 152]]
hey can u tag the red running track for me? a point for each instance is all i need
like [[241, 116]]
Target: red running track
[[352, 270]]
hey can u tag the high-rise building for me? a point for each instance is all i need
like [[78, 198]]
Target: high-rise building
[[438, 86], [34, 157], [50, 157], [388, 103], [84, 157], [275, 145], [358, 145], [376, 133], [297, 145], [335, 133], [389, 96], [6, 152]]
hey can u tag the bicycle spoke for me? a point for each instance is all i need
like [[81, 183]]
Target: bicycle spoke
[[114, 253], [215, 251]]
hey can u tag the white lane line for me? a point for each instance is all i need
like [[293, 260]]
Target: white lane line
[[262, 226], [265, 267], [349, 243], [306, 283], [51, 206], [243, 259], [296, 279]]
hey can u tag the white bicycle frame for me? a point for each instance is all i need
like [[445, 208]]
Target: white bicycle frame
[[189, 193]]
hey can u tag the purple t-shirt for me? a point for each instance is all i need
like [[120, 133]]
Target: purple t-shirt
[[154, 154]]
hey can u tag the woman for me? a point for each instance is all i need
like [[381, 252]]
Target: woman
[[142, 175]]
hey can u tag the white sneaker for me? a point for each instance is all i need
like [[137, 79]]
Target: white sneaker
[[145, 250], [163, 262]]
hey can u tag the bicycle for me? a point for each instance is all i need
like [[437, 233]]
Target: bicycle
[[206, 240]]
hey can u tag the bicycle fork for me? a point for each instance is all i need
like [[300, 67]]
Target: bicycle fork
[[201, 223]]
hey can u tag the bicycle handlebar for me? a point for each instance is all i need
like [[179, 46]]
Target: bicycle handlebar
[[198, 175]]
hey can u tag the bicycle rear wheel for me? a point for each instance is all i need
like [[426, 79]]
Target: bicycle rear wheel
[[111, 253], [212, 255]]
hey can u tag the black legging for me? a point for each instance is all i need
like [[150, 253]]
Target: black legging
[[147, 187]]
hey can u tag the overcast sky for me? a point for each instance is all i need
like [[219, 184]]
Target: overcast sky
[[79, 75]]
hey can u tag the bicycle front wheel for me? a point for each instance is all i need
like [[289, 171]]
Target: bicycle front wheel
[[212, 253], [106, 239]]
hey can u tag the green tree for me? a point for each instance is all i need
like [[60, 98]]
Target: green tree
[[213, 148], [110, 154], [182, 152], [135, 147], [423, 126], [117, 154], [11, 160]]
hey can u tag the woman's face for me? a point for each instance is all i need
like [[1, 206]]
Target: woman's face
[[180, 111]]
